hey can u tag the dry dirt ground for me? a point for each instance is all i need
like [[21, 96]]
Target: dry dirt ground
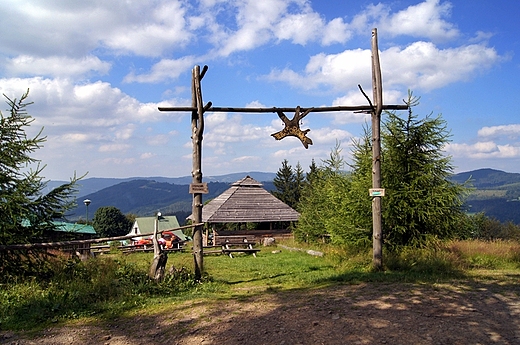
[[368, 313]]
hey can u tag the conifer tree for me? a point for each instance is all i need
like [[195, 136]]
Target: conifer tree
[[321, 206], [421, 201], [25, 211], [285, 183], [299, 183]]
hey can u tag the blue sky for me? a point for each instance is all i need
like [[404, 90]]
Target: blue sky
[[98, 70]]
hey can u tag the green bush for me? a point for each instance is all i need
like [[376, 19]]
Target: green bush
[[101, 286]]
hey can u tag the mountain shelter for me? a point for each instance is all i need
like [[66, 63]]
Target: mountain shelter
[[246, 207]]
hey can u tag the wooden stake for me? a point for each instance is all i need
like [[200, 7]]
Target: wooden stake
[[197, 130], [160, 258], [377, 86]]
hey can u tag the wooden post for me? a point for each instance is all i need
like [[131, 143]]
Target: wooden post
[[377, 88], [197, 129], [160, 258]]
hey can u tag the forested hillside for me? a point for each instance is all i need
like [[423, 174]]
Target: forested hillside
[[145, 197], [496, 193]]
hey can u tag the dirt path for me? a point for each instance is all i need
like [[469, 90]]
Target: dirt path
[[375, 313]]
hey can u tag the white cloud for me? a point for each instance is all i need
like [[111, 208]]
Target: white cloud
[[255, 104], [336, 31], [483, 150], [260, 22], [76, 28], [147, 155], [419, 65], [341, 71], [55, 66], [246, 159], [329, 135], [422, 20], [80, 58], [115, 147], [223, 129], [88, 123], [423, 65], [299, 28], [510, 131], [158, 140], [166, 69]]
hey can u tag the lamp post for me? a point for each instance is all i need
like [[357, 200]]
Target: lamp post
[[156, 226], [87, 202]]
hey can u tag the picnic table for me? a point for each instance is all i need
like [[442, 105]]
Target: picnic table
[[237, 244]]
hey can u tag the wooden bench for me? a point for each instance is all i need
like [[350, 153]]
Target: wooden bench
[[220, 240], [237, 244], [230, 251]]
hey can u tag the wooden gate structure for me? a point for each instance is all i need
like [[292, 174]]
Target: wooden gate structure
[[292, 128]]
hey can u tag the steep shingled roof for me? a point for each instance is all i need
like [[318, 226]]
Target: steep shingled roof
[[245, 202]]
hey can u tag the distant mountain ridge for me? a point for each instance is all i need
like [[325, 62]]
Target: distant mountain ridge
[[146, 196], [496, 193], [488, 178], [91, 185]]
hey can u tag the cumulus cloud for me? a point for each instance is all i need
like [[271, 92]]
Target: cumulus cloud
[[509, 131], [77, 28], [338, 71], [222, 128], [425, 19], [88, 123], [419, 65], [483, 150], [115, 147], [83, 62], [260, 22], [423, 65], [166, 69], [55, 66]]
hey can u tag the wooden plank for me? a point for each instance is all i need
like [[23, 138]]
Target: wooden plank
[[95, 240], [360, 108]]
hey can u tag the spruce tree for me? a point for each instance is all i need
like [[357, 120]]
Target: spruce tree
[[421, 201], [285, 183], [299, 183], [25, 211], [311, 224], [322, 206]]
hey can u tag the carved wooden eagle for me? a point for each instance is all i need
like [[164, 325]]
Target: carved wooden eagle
[[292, 127]]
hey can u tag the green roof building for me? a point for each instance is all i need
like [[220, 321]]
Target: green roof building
[[146, 225]]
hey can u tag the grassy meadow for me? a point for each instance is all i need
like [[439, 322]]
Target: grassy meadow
[[116, 285]]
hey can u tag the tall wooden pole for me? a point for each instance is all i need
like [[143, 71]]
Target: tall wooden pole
[[197, 129], [377, 86]]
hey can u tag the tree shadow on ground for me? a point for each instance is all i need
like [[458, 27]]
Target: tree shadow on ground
[[458, 312]]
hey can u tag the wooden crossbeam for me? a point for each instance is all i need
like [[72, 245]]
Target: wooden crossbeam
[[356, 108]]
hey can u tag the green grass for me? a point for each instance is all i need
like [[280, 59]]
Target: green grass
[[116, 285]]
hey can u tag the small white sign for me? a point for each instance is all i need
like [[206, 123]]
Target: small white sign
[[201, 188], [377, 191]]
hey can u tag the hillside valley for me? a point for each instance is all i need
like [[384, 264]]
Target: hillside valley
[[495, 193], [147, 196]]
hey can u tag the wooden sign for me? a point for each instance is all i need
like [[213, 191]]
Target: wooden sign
[[199, 188], [377, 191]]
